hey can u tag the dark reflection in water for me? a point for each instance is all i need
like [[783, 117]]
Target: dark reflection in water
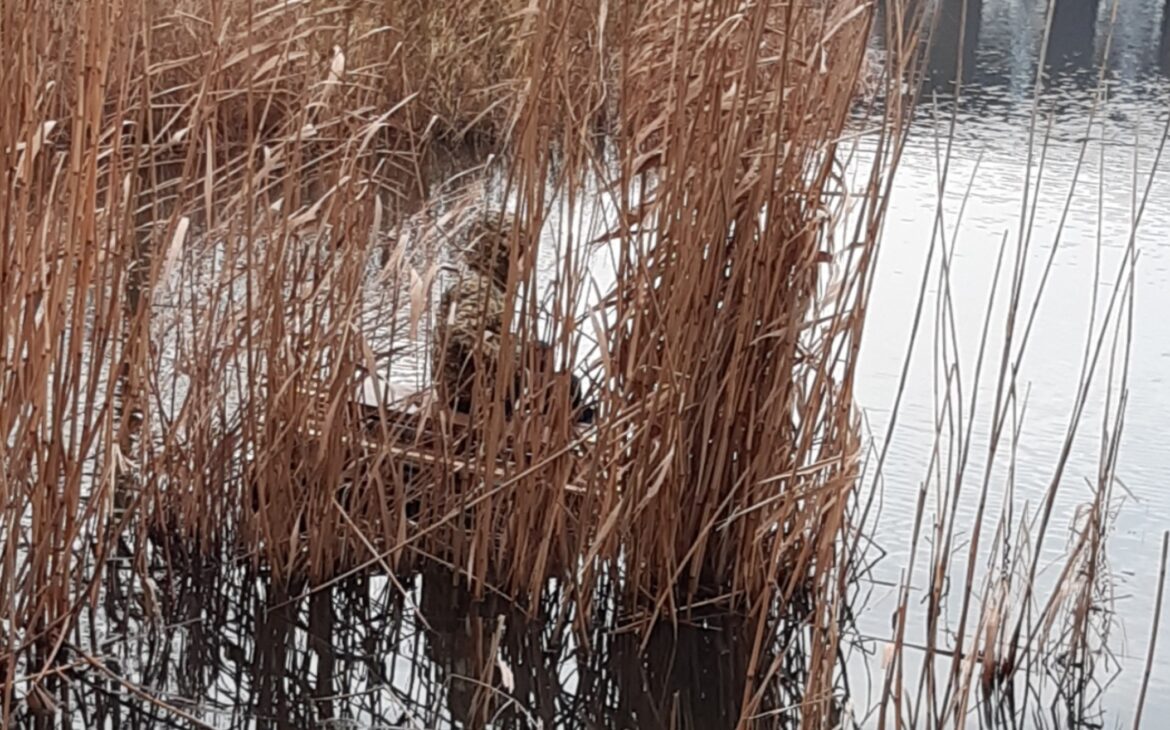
[[1071, 42], [999, 42], [955, 39], [234, 652], [1164, 41], [237, 653]]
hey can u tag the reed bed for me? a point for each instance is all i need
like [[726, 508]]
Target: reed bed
[[222, 220], [208, 236], [191, 192]]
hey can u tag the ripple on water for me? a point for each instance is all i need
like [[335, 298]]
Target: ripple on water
[[992, 131]]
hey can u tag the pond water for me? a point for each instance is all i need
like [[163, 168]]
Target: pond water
[[235, 655], [992, 131]]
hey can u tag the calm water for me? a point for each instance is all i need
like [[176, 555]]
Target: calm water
[[365, 656], [992, 130]]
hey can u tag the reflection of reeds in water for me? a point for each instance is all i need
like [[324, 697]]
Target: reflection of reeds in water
[[240, 655]]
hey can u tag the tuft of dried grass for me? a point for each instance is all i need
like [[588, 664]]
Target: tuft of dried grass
[[724, 338]]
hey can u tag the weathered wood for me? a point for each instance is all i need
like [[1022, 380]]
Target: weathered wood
[[413, 429]]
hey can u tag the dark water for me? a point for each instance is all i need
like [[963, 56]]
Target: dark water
[[234, 654], [366, 654]]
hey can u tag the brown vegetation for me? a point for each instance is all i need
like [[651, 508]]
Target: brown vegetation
[[199, 276], [221, 218]]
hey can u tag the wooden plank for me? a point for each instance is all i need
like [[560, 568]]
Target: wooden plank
[[426, 457], [410, 420]]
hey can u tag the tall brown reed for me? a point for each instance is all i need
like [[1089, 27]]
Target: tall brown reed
[[209, 252], [67, 241], [724, 467], [177, 263]]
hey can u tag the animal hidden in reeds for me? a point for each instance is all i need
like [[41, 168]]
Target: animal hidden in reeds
[[469, 330]]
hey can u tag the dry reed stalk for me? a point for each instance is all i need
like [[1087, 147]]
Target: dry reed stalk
[[752, 429], [193, 195], [729, 454], [1137, 718], [278, 329], [999, 650], [740, 468], [66, 234]]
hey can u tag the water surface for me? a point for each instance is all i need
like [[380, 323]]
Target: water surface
[[993, 119]]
